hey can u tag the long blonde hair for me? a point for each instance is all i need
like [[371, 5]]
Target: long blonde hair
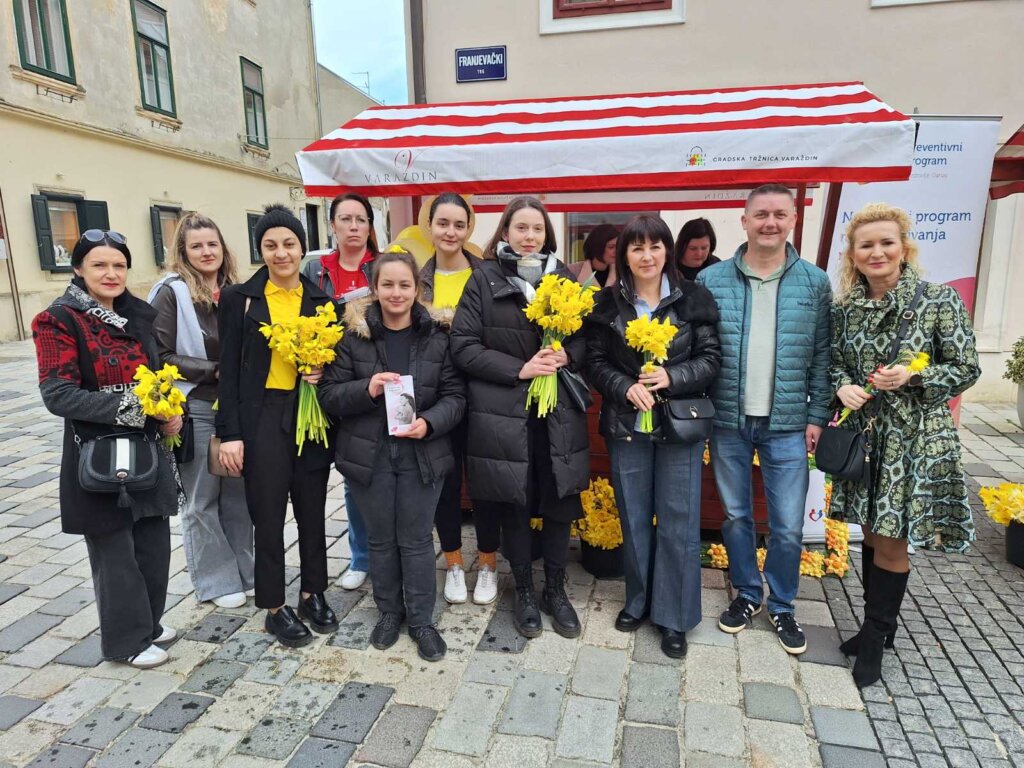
[[177, 260], [871, 213]]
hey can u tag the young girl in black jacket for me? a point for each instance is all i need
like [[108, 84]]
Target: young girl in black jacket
[[396, 479]]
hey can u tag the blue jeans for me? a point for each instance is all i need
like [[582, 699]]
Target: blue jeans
[[662, 563], [783, 458], [357, 541]]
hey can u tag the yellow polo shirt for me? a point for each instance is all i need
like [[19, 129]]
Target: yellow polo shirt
[[284, 307], [448, 287]]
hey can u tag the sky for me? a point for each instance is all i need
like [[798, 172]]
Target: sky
[[359, 36]]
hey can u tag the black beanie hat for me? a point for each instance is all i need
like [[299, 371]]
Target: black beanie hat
[[277, 215]]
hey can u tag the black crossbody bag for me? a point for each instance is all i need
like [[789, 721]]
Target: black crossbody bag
[[845, 454]]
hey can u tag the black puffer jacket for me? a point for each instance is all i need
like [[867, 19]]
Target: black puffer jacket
[[344, 394], [694, 354], [491, 339]]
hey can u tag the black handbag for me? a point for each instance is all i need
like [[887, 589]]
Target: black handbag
[[118, 463], [186, 451], [684, 420], [845, 454], [577, 389]]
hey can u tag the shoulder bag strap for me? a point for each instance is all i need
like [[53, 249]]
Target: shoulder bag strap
[[901, 333]]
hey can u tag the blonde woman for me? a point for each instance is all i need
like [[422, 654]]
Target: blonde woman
[[215, 525]]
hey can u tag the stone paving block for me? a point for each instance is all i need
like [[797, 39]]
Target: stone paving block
[[215, 628], [353, 712], [200, 747], [37, 574], [11, 676], [833, 756], [214, 677], [599, 672], [644, 747], [715, 728], [69, 603], [274, 670], [822, 646], [40, 651], [321, 753], [305, 699], [54, 587], [711, 675], [354, 631], [176, 711], [241, 705], [647, 648], [550, 653], [84, 653], [599, 626], [14, 708], [25, 630], [40, 516], [100, 727], [274, 737], [76, 700], [814, 613], [830, 686], [764, 701], [7, 591], [534, 704], [778, 744], [843, 727], [492, 668], [63, 756], [513, 752], [466, 725], [762, 659], [26, 740], [587, 731], [704, 760], [246, 647], [398, 736], [653, 694], [431, 685], [145, 691], [708, 633], [501, 635], [810, 589]]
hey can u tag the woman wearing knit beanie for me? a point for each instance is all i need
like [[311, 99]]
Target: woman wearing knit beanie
[[256, 423]]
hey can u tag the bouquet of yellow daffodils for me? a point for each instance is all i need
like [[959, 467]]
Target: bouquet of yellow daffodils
[[558, 308], [915, 361], [309, 343], [1004, 503], [159, 397], [651, 338], [599, 526]]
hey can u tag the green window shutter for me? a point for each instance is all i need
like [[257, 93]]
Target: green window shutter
[[94, 215], [158, 234], [44, 235]]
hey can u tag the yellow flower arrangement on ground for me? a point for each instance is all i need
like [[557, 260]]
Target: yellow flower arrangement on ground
[[308, 342], [558, 308], [599, 526], [812, 564], [159, 397], [537, 523], [762, 554], [1004, 503], [717, 556], [915, 361], [651, 338]]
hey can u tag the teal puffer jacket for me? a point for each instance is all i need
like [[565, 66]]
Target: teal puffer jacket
[[801, 393]]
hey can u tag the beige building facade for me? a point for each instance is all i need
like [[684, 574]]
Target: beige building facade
[[932, 57]]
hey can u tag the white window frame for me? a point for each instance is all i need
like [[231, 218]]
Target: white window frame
[[549, 25]]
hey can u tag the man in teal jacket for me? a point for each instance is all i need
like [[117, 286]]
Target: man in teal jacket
[[772, 394]]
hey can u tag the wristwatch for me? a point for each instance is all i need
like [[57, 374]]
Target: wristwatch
[[915, 380]]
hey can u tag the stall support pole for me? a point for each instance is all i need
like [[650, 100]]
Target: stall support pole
[[828, 226], [798, 234]]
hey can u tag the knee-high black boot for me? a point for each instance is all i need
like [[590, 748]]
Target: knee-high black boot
[[851, 646], [881, 612], [526, 615]]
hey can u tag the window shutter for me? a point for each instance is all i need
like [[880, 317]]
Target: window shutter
[[94, 215], [158, 235], [44, 235]]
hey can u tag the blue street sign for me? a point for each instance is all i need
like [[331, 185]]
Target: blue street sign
[[475, 64]]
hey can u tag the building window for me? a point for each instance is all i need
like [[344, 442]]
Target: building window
[[254, 247], [579, 225], [565, 9], [311, 221], [252, 98], [60, 221], [164, 221], [42, 27], [153, 47]]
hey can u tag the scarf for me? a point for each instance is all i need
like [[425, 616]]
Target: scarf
[[90, 306], [529, 269]]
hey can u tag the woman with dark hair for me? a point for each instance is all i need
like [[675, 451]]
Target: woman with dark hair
[[443, 280], [652, 475], [598, 256], [396, 479], [216, 530], [695, 248], [256, 422], [344, 275], [89, 343], [526, 465]]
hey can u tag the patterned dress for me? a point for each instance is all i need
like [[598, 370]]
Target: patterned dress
[[919, 491]]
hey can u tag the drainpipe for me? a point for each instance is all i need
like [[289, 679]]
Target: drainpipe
[[419, 85], [11, 277], [319, 108]]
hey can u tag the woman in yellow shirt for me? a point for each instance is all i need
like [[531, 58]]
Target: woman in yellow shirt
[[442, 279], [256, 423]]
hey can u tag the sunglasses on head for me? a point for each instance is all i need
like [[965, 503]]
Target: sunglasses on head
[[99, 235]]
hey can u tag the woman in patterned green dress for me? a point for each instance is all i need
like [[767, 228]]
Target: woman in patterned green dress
[[918, 495]]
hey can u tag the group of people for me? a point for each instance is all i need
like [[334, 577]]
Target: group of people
[[761, 335]]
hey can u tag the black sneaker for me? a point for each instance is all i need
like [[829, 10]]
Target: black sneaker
[[385, 634], [738, 615], [789, 633], [429, 643]]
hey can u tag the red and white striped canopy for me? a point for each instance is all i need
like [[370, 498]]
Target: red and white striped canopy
[[741, 136], [1008, 168]]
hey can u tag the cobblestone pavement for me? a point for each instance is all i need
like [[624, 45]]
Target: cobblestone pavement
[[229, 697]]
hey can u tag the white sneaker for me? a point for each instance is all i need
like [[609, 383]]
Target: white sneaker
[[149, 658], [352, 579], [455, 585], [250, 593], [486, 590], [168, 634], [231, 600]]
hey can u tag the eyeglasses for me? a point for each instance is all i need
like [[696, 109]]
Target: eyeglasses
[[99, 235], [346, 221]]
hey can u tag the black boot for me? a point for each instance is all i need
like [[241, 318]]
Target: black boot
[[881, 612], [526, 615], [287, 627], [318, 613], [555, 603], [851, 646]]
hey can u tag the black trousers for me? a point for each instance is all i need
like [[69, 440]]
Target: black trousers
[[448, 516], [274, 472], [129, 576]]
